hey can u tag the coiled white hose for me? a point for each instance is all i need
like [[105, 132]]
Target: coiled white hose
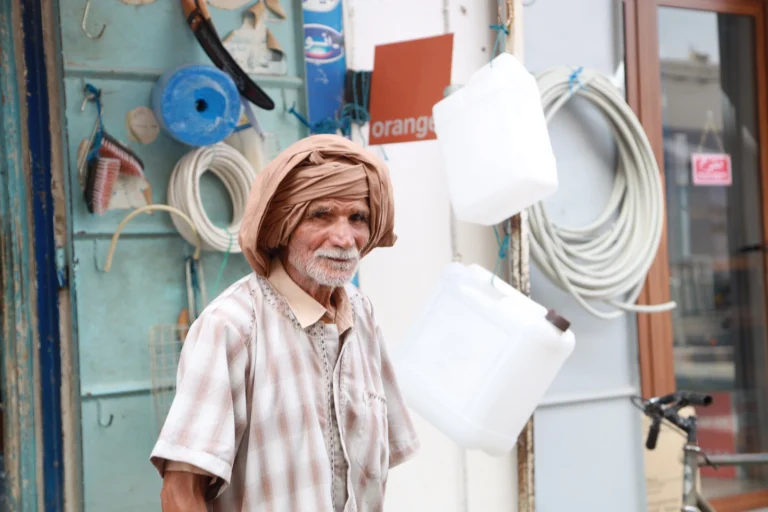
[[237, 174], [608, 259]]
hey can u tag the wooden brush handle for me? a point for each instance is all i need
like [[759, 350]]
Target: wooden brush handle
[[191, 6]]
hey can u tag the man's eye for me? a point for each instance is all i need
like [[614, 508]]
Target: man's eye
[[319, 214], [359, 217]]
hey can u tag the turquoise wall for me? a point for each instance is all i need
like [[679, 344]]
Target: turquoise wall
[[146, 285]]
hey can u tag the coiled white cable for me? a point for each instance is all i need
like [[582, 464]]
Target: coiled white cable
[[237, 174], [608, 259]]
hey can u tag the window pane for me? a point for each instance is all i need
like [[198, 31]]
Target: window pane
[[714, 220]]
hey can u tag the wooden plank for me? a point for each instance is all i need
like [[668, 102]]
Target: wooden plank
[[519, 277], [70, 370], [749, 7], [519, 272], [644, 96], [17, 278]]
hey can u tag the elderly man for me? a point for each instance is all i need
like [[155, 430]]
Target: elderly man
[[286, 398]]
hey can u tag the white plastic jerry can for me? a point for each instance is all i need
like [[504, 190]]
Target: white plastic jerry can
[[479, 359], [495, 143]]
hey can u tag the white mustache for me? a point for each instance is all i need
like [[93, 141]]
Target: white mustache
[[351, 255]]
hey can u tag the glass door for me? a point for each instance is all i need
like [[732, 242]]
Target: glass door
[[700, 90], [715, 232]]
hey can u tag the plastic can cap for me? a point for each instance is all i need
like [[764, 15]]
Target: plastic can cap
[[558, 321]]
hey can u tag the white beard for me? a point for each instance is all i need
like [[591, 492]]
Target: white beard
[[325, 271]]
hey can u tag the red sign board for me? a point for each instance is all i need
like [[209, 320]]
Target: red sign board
[[713, 169], [408, 79]]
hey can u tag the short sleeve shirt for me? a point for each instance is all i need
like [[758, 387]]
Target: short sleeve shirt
[[287, 412]]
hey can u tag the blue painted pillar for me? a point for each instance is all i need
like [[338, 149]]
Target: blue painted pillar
[[46, 276]]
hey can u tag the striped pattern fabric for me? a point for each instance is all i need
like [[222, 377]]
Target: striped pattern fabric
[[287, 417]]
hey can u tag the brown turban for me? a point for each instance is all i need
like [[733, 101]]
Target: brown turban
[[317, 167]]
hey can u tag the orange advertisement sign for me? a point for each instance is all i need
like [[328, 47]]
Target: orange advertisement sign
[[408, 79]]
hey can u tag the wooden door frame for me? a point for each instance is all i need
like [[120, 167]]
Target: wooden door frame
[[18, 310], [655, 338]]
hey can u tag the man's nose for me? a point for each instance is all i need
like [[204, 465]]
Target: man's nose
[[341, 235]]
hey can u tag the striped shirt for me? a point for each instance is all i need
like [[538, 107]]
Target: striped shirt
[[285, 411]]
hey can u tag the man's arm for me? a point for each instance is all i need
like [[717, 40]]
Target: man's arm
[[207, 418], [184, 492]]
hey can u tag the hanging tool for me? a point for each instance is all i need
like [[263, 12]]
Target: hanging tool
[[85, 19], [199, 21]]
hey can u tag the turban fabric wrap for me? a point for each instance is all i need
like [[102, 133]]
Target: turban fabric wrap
[[317, 167]]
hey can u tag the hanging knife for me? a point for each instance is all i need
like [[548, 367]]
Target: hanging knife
[[199, 20]]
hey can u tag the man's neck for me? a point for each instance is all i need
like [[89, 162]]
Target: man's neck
[[322, 294]]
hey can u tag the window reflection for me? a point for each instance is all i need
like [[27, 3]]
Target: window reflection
[[715, 233]]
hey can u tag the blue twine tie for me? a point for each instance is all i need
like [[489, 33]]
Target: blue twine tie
[[99, 137], [575, 79], [501, 32], [351, 113], [355, 113], [502, 254]]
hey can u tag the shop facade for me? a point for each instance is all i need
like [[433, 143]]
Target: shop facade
[[80, 399]]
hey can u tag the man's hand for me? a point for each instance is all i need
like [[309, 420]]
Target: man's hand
[[184, 492]]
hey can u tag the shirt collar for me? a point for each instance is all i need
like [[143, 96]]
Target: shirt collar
[[304, 307]]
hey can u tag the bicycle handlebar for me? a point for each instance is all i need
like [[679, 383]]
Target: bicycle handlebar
[[653, 434], [683, 398], [667, 408]]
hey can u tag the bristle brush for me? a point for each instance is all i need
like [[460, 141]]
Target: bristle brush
[[131, 164], [100, 181]]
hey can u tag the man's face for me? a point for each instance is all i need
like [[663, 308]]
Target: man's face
[[325, 246]]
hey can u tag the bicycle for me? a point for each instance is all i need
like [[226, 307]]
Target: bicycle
[[659, 409]]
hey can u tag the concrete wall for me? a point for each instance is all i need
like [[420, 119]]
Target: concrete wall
[[399, 279], [587, 439], [587, 432]]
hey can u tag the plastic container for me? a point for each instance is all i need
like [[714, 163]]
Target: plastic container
[[495, 144], [479, 359]]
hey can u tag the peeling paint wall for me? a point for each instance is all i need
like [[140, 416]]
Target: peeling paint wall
[[17, 284], [108, 358]]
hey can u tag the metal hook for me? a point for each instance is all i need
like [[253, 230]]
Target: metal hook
[[85, 19], [103, 423]]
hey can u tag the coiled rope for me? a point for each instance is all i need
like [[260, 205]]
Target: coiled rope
[[237, 175], [608, 259]]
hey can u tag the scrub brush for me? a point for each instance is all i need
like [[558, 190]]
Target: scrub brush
[[130, 164], [102, 175]]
